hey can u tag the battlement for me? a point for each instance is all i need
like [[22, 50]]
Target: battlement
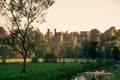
[[71, 38]]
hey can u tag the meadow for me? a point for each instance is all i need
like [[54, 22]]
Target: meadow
[[47, 71], [12, 68]]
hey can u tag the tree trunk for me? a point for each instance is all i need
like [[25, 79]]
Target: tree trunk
[[24, 65], [24, 55]]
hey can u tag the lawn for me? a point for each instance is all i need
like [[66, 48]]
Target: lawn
[[42, 71], [13, 68], [46, 71]]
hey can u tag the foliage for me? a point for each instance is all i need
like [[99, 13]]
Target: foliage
[[38, 44], [5, 48], [94, 35], [50, 58], [35, 60], [116, 53], [85, 47], [71, 51], [92, 51], [90, 48], [116, 74], [100, 53], [3, 32]]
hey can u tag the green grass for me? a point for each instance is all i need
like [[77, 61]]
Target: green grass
[[14, 66], [53, 71], [44, 71], [7, 69], [41, 71], [115, 74]]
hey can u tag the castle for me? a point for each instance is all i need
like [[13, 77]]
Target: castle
[[74, 38]]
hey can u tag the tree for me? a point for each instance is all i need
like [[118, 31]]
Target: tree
[[50, 58], [20, 15], [100, 53], [108, 34], [93, 51], [38, 44], [94, 35], [89, 47], [86, 47], [4, 51], [115, 53], [5, 48], [3, 32]]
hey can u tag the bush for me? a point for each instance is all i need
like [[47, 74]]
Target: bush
[[35, 60], [50, 58]]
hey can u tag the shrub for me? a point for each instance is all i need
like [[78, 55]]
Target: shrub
[[35, 60], [50, 58]]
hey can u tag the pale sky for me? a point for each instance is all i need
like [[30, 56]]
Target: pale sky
[[82, 15]]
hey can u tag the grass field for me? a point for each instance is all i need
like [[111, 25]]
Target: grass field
[[41, 59], [7, 69], [14, 66], [41, 71], [46, 71]]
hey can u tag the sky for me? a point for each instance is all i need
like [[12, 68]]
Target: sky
[[82, 15]]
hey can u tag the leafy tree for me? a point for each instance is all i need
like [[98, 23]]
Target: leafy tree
[[69, 52], [108, 34], [5, 48], [90, 49], [20, 15], [116, 53], [38, 43], [93, 51], [118, 32], [50, 58], [108, 40], [3, 32], [115, 41], [86, 47], [94, 35], [100, 52], [61, 49], [35, 60]]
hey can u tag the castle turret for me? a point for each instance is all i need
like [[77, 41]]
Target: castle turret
[[48, 35], [55, 31]]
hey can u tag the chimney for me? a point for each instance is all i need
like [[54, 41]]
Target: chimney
[[48, 30], [66, 32], [55, 31]]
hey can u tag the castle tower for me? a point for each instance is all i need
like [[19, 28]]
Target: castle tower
[[75, 40], [61, 37], [48, 35]]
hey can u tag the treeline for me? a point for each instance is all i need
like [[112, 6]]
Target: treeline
[[100, 45]]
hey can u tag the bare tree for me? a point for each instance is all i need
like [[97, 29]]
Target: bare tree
[[20, 14]]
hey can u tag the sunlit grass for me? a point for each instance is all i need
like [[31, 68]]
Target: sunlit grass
[[19, 60], [41, 60]]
